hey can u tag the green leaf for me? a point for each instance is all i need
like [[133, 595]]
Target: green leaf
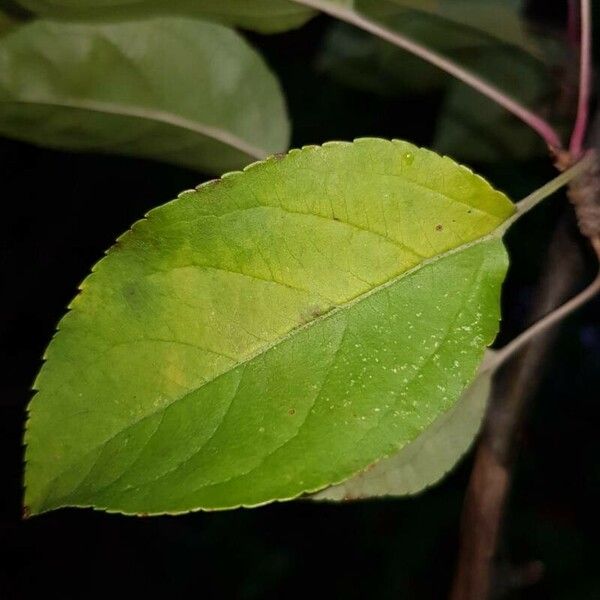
[[458, 29], [424, 461], [363, 61], [270, 334], [499, 20], [171, 89], [265, 16], [496, 20]]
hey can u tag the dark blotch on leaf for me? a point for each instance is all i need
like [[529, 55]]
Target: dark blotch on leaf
[[310, 313]]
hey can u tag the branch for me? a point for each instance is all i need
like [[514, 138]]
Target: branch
[[584, 181], [489, 484], [576, 172], [537, 123], [502, 355], [585, 80]]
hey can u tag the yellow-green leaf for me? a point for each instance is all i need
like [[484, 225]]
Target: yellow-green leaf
[[271, 333]]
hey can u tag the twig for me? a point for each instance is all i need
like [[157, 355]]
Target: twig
[[572, 173], [491, 475], [502, 355], [490, 479], [583, 177], [537, 123], [585, 80]]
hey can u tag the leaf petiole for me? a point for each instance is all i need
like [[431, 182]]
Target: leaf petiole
[[533, 199], [495, 359]]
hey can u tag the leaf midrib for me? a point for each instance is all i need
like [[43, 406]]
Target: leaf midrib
[[152, 115]]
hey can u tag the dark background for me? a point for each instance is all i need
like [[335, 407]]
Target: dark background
[[59, 213]]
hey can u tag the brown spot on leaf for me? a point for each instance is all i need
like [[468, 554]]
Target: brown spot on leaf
[[310, 313], [292, 412], [439, 227]]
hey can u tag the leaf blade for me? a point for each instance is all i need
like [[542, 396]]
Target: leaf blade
[[258, 348], [423, 462], [139, 101]]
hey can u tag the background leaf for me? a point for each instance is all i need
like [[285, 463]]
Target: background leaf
[[498, 20], [271, 333], [366, 62], [177, 90], [6, 23], [265, 16], [363, 60], [473, 128], [490, 38], [424, 461]]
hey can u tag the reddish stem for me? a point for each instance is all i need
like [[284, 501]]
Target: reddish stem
[[585, 81]]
